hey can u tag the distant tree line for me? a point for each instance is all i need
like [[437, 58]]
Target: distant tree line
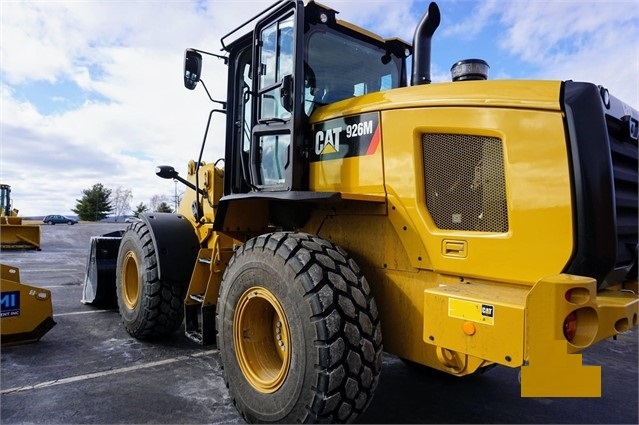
[[98, 202]]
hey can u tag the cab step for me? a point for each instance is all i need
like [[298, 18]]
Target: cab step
[[201, 296], [199, 320]]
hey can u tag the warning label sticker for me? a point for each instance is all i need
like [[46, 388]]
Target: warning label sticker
[[471, 311]]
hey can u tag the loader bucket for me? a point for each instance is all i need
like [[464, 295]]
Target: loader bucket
[[26, 313], [12, 219], [99, 280], [19, 236]]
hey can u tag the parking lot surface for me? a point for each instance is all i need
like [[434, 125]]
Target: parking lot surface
[[87, 369]]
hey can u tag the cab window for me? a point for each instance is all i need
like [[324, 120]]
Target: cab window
[[276, 61], [342, 67]]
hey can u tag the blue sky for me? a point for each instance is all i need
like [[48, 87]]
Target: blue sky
[[91, 91]]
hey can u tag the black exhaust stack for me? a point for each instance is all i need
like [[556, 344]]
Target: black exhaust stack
[[421, 45]]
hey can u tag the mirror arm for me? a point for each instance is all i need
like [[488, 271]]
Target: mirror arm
[[190, 185], [168, 172], [224, 58], [211, 98]]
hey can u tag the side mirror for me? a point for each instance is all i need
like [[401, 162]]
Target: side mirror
[[192, 68], [286, 92], [166, 172]]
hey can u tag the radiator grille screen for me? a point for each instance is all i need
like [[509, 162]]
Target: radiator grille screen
[[624, 166], [464, 180]]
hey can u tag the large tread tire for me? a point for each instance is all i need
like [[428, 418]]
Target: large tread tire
[[149, 307], [334, 332]]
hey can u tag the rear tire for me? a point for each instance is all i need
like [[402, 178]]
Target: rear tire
[[298, 331], [149, 307]]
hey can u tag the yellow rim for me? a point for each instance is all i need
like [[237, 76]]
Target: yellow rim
[[130, 280], [262, 340]]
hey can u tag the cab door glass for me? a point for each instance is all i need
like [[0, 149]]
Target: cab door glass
[[243, 118], [245, 95], [276, 61], [274, 152]]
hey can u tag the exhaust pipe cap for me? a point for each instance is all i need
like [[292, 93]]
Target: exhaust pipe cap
[[470, 69]]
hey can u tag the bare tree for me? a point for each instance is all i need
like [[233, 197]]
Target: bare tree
[[177, 198], [157, 200], [121, 201]]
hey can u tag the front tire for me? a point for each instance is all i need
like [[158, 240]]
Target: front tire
[[149, 307], [298, 331]]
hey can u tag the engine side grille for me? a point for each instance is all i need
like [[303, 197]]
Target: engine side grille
[[602, 138], [624, 168], [464, 182]]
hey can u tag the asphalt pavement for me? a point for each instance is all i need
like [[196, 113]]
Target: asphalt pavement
[[87, 369]]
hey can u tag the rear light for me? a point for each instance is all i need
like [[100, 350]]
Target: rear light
[[581, 322], [570, 322], [570, 326]]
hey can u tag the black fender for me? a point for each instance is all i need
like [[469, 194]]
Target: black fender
[[176, 245], [289, 209]]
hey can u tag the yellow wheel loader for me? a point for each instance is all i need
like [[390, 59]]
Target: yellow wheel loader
[[26, 313], [13, 233], [457, 225]]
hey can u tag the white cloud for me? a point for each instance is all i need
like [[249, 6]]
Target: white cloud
[[586, 40], [126, 61], [591, 40], [148, 117], [470, 26], [385, 17]]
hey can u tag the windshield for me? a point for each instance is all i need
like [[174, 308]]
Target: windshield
[[339, 67]]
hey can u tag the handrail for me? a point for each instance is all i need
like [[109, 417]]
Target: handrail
[[262, 13]]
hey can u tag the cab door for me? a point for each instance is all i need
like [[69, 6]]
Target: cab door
[[277, 136]]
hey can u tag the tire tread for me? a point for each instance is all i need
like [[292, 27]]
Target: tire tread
[[346, 320], [162, 303]]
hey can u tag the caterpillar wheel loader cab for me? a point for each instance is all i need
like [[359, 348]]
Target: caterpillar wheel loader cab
[[13, 233], [464, 224]]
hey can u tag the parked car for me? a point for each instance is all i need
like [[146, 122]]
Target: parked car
[[132, 220], [57, 219]]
